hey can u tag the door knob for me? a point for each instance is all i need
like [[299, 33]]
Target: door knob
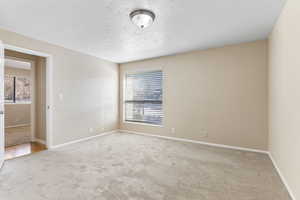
[[1, 112]]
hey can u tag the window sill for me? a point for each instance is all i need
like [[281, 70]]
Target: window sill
[[17, 103], [142, 124]]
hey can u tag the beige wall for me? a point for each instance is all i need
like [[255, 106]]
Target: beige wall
[[89, 87], [17, 114], [9, 70], [284, 97], [40, 97], [220, 91]]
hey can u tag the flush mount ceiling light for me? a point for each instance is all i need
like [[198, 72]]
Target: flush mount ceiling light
[[142, 18]]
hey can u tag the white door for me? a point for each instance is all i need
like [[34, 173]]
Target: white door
[[1, 104]]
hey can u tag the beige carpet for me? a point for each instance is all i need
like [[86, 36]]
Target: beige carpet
[[132, 167]]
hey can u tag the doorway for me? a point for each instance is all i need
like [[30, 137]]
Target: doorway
[[47, 59], [24, 103]]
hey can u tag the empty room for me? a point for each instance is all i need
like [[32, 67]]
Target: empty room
[[149, 100]]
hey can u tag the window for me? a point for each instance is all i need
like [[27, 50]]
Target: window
[[143, 97], [9, 89], [17, 89]]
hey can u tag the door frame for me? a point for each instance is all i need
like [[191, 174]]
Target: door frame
[[2, 143], [33, 93], [49, 88]]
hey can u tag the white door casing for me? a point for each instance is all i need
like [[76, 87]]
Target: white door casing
[[1, 104]]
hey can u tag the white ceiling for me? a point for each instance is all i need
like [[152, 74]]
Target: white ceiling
[[17, 64], [102, 27]]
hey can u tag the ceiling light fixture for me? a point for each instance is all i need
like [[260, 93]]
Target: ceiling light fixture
[[142, 18]]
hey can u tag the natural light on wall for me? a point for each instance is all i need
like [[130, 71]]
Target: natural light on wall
[[17, 89]]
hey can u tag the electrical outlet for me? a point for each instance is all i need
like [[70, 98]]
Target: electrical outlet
[[173, 130], [99, 129]]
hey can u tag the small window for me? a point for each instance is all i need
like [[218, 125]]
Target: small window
[[9, 88], [17, 89], [143, 97], [22, 89]]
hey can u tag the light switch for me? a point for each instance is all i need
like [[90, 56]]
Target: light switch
[[61, 96]]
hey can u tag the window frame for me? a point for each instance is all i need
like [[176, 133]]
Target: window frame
[[14, 101], [128, 101]]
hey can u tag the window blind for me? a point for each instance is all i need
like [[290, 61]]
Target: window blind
[[143, 97]]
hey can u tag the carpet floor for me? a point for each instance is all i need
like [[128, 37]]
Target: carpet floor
[[131, 167]]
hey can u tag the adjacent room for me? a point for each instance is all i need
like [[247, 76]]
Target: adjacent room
[[149, 100], [24, 104]]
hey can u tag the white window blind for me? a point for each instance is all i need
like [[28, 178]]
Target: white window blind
[[143, 97]]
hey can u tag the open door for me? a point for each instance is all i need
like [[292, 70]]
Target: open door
[[1, 104]]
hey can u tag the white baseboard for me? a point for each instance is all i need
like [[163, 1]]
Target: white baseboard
[[82, 139], [39, 141], [182, 140], [221, 146], [198, 142], [16, 126], [282, 177]]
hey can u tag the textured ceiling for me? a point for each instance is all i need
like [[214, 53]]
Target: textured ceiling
[[102, 27]]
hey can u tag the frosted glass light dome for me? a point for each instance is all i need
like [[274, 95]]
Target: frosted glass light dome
[[142, 18]]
